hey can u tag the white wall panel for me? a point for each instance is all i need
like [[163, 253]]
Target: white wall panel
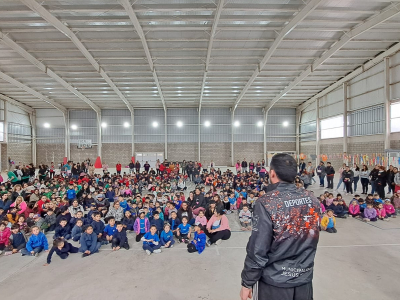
[[188, 133], [220, 129], [116, 132], [248, 131], [144, 131], [86, 120]]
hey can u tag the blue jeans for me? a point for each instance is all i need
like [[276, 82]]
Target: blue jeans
[[152, 247], [66, 237], [98, 245], [373, 187], [36, 250], [340, 182], [321, 180], [162, 242], [77, 237], [356, 179]]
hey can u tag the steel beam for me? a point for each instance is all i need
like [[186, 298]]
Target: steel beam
[[32, 92], [60, 26], [368, 65], [32, 117], [139, 30], [287, 29], [345, 108], [391, 11], [22, 106], [10, 43], [387, 102], [210, 45]]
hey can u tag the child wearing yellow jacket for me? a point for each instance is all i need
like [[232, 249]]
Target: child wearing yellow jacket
[[328, 222]]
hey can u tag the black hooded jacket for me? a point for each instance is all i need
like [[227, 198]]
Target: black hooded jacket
[[282, 246]]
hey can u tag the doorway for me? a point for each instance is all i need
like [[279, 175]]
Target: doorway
[[150, 157]]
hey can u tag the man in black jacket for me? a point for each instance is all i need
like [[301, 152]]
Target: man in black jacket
[[281, 249], [330, 173]]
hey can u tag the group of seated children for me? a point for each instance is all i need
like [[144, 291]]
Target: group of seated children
[[369, 210]]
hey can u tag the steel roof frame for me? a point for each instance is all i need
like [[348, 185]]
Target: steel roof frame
[[132, 16], [388, 13], [307, 9], [45, 14]]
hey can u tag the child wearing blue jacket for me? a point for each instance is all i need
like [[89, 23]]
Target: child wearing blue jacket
[[199, 241], [167, 237], [151, 241], [88, 241], [77, 231], [37, 243], [63, 230]]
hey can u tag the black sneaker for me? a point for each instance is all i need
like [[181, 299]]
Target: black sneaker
[[85, 254]]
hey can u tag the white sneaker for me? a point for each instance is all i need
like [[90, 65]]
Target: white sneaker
[[172, 246], [157, 251], [148, 252], [218, 242]]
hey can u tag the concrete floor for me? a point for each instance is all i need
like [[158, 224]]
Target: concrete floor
[[359, 262]]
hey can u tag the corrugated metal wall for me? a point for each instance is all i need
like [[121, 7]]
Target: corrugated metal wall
[[86, 120], [19, 125], [366, 121], [188, 133], [56, 133], [395, 77], [276, 132], [220, 129], [144, 131], [248, 131], [116, 132]]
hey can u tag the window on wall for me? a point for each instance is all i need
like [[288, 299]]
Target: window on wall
[[1, 131], [395, 117], [332, 127]]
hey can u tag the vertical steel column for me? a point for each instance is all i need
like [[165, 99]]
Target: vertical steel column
[[387, 102], [345, 117], [265, 135], [32, 116], [5, 129], [99, 131], [133, 131], [298, 118], [318, 133], [67, 146], [199, 124], [232, 136], [166, 134]]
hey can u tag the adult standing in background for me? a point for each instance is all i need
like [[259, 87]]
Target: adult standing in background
[[146, 167], [390, 178], [132, 166], [372, 178], [118, 167], [340, 176], [302, 167], [356, 171], [281, 249], [310, 172], [364, 175], [137, 166], [184, 165], [347, 177], [321, 172], [244, 165], [330, 173]]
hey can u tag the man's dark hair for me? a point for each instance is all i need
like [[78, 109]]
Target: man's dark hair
[[284, 166]]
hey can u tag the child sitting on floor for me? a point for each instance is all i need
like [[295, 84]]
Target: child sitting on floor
[[128, 221], [141, 226], [396, 202], [119, 239], [354, 209], [109, 229], [167, 237], [63, 230], [389, 208], [201, 219], [151, 241], [61, 247], [5, 234], [76, 232], [370, 213], [381, 212], [88, 241], [37, 243], [17, 240], [328, 222], [245, 218], [157, 222], [184, 231], [199, 241]]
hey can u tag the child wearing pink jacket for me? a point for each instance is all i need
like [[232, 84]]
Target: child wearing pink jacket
[[354, 209], [381, 213], [389, 208]]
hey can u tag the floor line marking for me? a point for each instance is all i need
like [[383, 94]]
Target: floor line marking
[[216, 249]]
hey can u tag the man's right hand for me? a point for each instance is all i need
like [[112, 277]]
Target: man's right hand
[[245, 293]]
